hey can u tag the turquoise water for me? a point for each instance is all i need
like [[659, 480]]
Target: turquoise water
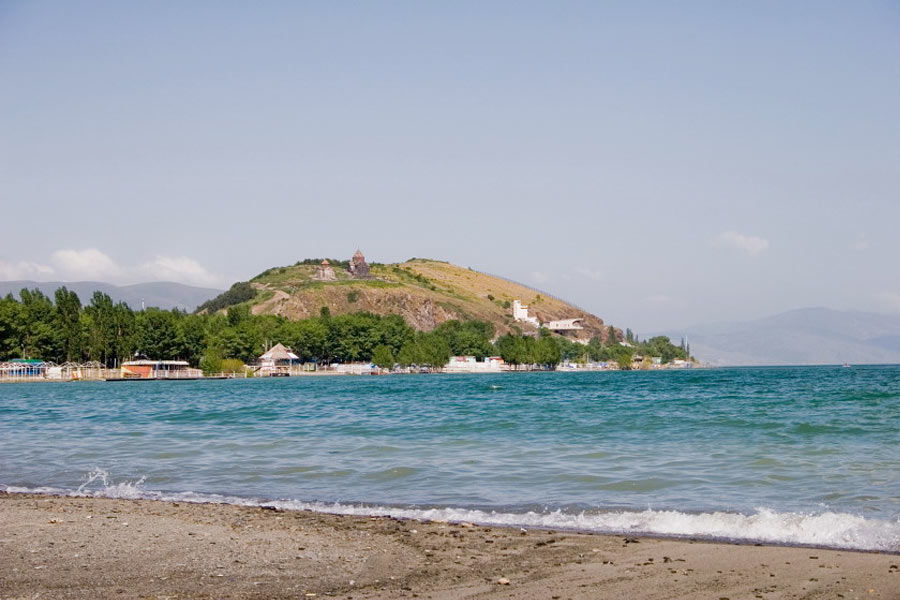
[[807, 455]]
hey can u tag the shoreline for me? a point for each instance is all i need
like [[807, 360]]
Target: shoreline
[[88, 547]]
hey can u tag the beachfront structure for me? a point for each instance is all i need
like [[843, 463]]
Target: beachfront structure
[[520, 313], [468, 364], [159, 369], [325, 272], [354, 368], [21, 369], [359, 268], [277, 361], [565, 325]]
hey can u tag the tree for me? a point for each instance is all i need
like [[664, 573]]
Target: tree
[[68, 317], [241, 291], [611, 337], [468, 338], [211, 361], [435, 350], [40, 337], [513, 349], [571, 350], [10, 328], [410, 354], [623, 356], [156, 334], [123, 330], [662, 347], [190, 341], [547, 352], [394, 332], [99, 326], [383, 357]]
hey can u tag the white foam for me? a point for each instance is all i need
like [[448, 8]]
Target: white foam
[[826, 529]]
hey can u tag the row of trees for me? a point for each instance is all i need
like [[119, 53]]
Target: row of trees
[[62, 329]]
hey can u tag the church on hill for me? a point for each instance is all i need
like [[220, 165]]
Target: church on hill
[[325, 272], [359, 268]]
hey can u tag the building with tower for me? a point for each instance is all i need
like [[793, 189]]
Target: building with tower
[[325, 272], [359, 268]]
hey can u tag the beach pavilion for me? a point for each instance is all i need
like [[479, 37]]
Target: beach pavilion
[[277, 361]]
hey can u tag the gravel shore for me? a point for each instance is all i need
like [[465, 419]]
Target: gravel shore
[[63, 547]]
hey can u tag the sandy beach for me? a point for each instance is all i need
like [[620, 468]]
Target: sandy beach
[[63, 547]]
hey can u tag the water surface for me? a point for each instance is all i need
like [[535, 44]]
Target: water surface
[[794, 455]]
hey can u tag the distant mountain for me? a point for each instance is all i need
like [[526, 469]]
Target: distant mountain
[[805, 336], [162, 294]]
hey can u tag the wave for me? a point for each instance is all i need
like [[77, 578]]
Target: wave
[[765, 525]]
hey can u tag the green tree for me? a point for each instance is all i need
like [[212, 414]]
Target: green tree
[[410, 354], [156, 334], [40, 337], [571, 350], [547, 352], [623, 356], [383, 357], [435, 350], [191, 338], [512, 349], [211, 361], [468, 338], [611, 337], [11, 321], [68, 317], [595, 349], [241, 291], [99, 329], [394, 332], [232, 365], [123, 330], [307, 338]]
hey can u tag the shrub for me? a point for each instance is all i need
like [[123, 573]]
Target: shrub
[[232, 365]]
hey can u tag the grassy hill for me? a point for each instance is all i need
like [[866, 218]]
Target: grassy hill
[[424, 292]]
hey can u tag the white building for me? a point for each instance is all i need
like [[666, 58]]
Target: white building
[[468, 364], [565, 325], [520, 313]]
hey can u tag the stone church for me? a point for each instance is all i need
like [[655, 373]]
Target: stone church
[[325, 272], [359, 268]]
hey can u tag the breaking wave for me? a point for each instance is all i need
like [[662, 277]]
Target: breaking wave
[[824, 529]]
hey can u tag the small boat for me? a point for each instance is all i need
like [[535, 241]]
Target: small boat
[[846, 365]]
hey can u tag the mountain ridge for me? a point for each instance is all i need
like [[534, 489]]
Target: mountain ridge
[[161, 294], [801, 336]]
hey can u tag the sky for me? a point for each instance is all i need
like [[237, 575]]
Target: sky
[[659, 164]]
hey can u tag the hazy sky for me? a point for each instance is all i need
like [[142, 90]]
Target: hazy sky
[[657, 163]]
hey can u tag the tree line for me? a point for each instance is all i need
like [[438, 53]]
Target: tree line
[[61, 329]]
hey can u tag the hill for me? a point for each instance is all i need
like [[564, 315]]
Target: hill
[[424, 292], [161, 294], [805, 336]]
